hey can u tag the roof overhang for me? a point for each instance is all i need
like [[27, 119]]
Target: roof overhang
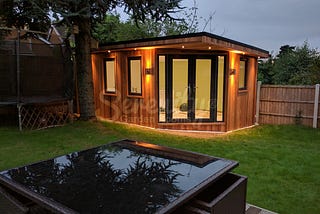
[[196, 41]]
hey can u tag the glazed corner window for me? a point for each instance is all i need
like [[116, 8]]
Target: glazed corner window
[[135, 76], [110, 76], [243, 74]]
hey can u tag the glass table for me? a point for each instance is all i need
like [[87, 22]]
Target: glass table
[[121, 177]]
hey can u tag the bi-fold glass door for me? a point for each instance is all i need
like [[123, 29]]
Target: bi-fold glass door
[[190, 85], [188, 88]]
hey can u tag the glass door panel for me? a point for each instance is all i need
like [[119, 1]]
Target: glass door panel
[[220, 88], [180, 89], [162, 89], [202, 88], [191, 88]]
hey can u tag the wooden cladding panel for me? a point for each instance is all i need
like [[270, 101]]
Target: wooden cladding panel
[[216, 127], [232, 115], [248, 98], [122, 107], [241, 103], [252, 91], [242, 110]]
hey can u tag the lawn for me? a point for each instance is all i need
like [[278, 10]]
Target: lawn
[[282, 162]]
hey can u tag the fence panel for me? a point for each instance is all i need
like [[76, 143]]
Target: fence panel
[[287, 105]]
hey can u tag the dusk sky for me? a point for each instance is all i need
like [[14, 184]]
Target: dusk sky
[[267, 24]]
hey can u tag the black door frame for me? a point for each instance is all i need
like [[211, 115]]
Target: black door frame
[[191, 87]]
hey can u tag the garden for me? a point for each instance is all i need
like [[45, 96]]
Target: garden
[[282, 162]]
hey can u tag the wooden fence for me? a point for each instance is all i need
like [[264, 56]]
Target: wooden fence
[[288, 105]]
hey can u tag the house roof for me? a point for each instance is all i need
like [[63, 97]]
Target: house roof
[[48, 38], [192, 41]]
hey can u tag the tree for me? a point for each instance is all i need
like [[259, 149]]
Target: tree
[[112, 29], [265, 71], [292, 66], [83, 15], [285, 49], [25, 13]]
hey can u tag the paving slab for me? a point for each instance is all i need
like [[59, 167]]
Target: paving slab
[[251, 209]]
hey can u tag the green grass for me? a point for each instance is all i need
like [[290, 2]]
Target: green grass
[[282, 162]]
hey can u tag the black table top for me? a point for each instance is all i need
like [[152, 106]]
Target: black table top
[[121, 177]]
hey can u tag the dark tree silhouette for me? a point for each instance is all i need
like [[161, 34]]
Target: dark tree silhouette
[[83, 16]]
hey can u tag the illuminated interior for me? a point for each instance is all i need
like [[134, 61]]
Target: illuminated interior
[[162, 89], [220, 92], [110, 83], [196, 94], [135, 76], [242, 74], [203, 88], [180, 88]]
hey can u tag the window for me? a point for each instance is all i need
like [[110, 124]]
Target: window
[[110, 76], [135, 76], [243, 74]]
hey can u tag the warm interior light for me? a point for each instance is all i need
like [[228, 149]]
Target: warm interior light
[[182, 46], [209, 48], [109, 51]]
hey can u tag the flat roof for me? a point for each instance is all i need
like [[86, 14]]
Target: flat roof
[[194, 41]]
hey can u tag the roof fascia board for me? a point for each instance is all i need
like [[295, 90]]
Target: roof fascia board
[[202, 37]]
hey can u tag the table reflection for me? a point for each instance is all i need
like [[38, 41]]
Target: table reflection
[[113, 179]]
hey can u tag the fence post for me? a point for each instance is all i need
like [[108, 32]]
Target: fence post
[[258, 102], [316, 106], [19, 116]]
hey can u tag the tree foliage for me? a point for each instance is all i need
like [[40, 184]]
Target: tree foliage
[[113, 29], [25, 13], [292, 66], [265, 71], [84, 15]]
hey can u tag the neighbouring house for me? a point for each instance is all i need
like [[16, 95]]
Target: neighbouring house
[[197, 81]]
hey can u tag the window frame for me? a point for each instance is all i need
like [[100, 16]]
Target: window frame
[[130, 93], [166, 85], [113, 93], [245, 84]]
